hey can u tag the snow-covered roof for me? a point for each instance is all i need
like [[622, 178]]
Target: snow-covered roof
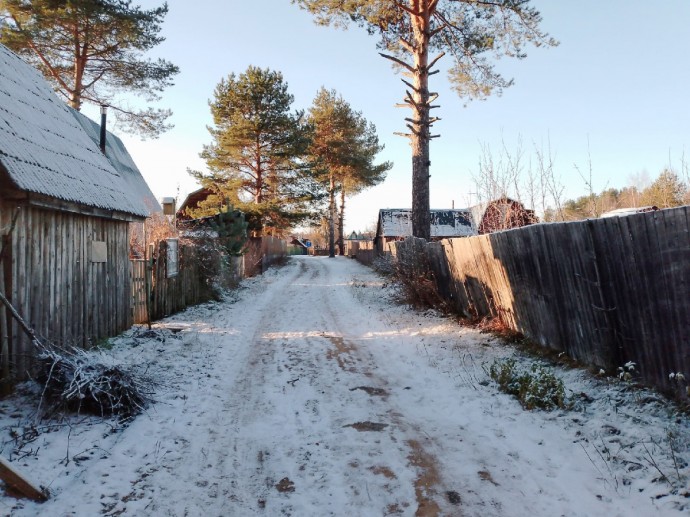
[[119, 157], [627, 211], [397, 222], [44, 150]]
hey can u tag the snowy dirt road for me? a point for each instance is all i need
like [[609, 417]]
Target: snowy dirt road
[[312, 394]]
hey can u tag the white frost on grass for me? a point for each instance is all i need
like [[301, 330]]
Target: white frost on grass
[[260, 398]]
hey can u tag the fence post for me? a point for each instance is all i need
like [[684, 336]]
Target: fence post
[[148, 279]]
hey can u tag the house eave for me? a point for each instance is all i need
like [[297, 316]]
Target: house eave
[[51, 203]]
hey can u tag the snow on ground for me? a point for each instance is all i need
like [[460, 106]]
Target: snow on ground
[[310, 392]]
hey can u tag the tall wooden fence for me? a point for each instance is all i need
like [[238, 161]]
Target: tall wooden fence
[[363, 251], [141, 278], [261, 253], [605, 291], [157, 294]]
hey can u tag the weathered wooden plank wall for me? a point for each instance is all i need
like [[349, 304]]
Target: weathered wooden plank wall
[[604, 291], [139, 291], [50, 278]]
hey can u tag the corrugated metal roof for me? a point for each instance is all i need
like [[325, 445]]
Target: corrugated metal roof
[[45, 150], [119, 157], [397, 222]]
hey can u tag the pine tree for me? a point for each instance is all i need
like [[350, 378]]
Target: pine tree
[[342, 152], [410, 31], [255, 156], [667, 191], [91, 51]]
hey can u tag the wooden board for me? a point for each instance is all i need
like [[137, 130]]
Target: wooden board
[[11, 475]]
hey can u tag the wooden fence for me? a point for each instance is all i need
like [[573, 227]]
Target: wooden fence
[[140, 288], [604, 291], [156, 293], [261, 253], [363, 251]]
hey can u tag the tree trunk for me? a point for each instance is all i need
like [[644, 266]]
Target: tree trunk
[[259, 183], [421, 219], [341, 221], [80, 61], [331, 218]]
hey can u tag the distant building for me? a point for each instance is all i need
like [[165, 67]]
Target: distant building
[[192, 202], [628, 211], [297, 246], [395, 224], [354, 236], [501, 214]]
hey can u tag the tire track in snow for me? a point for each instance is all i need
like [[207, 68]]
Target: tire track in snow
[[199, 439], [281, 433], [305, 359]]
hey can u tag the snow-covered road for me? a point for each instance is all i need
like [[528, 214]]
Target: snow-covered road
[[311, 394]]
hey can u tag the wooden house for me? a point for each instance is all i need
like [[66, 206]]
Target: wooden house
[[122, 161], [65, 212], [191, 202], [395, 224], [501, 214]]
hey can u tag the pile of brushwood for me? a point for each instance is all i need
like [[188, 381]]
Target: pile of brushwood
[[75, 380]]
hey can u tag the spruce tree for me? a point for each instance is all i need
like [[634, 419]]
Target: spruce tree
[[231, 228]]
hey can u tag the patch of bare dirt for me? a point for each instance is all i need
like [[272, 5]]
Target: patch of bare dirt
[[383, 471], [453, 497], [367, 426], [342, 352], [374, 392], [285, 485], [426, 481], [486, 476]]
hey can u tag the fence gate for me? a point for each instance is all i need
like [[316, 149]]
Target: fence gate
[[139, 310]]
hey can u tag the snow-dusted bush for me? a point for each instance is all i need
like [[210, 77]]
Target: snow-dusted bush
[[535, 388]]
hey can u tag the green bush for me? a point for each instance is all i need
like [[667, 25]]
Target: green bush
[[535, 388]]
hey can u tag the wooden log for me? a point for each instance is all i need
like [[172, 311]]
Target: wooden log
[[18, 481]]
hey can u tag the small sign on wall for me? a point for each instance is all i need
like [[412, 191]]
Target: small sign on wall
[[172, 258], [99, 251]]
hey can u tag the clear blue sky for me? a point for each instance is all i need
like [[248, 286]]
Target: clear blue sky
[[619, 80]]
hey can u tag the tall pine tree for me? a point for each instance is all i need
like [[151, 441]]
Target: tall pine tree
[[415, 35], [342, 152], [255, 156], [91, 51]]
